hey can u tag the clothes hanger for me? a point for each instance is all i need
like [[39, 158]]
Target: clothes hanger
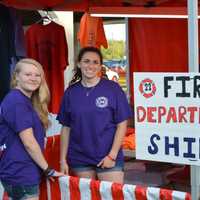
[[46, 18]]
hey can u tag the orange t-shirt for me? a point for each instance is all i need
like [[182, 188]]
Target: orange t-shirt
[[91, 32]]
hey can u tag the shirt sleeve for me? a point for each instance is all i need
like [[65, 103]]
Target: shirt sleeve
[[64, 114], [63, 50], [19, 118], [123, 110]]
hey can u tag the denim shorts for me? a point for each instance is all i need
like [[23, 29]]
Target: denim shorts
[[119, 166], [21, 192]]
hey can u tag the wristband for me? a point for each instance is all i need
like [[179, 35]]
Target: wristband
[[111, 158], [63, 162], [49, 172]]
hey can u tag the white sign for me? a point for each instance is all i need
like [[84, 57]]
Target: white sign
[[167, 117]]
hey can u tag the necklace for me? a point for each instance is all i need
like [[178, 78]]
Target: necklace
[[89, 90]]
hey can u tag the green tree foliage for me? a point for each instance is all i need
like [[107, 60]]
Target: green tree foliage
[[115, 50]]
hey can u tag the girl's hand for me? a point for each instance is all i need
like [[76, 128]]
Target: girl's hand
[[51, 174], [64, 168], [106, 162], [58, 174]]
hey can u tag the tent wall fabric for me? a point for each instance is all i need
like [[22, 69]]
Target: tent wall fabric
[[157, 45]]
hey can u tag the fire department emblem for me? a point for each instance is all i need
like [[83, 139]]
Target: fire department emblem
[[101, 102], [147, 88]]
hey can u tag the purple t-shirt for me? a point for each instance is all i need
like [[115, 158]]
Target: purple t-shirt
[[16, 165], [92, 115]]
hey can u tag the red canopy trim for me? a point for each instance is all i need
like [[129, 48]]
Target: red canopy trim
[[140, 10], [67, 5], [85, 5]]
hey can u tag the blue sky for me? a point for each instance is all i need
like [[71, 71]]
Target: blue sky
[[115, 31]]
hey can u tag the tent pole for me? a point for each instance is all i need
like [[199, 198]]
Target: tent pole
[[193, 35], [193, 67], [127, 58]]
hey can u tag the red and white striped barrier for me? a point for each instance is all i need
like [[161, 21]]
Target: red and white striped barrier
[[73, 188]]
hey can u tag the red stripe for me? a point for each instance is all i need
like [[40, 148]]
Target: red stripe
[[188, 196], [95, 187], [166, 194], [43, 189], [117, 192], [74, 188], [55, 189], [140, 193], [5, 196]]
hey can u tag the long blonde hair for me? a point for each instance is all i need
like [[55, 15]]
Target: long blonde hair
[[41, 97]]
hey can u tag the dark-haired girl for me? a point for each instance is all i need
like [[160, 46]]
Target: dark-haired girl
[[94, 114]]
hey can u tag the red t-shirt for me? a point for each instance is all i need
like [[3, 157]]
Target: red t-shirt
[[48, 45]]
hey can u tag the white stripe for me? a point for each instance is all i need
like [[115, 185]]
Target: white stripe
[[176, 195], [105, 190], [48, 189], [140, 16], [84, 186], [129, 192], [153, 193], [64, 187], [1, 191]]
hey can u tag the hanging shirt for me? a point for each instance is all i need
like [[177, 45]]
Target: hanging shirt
[[47, 44], [93, 120], [91, 32], [16, 165], [7, 50], [19, 38]]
